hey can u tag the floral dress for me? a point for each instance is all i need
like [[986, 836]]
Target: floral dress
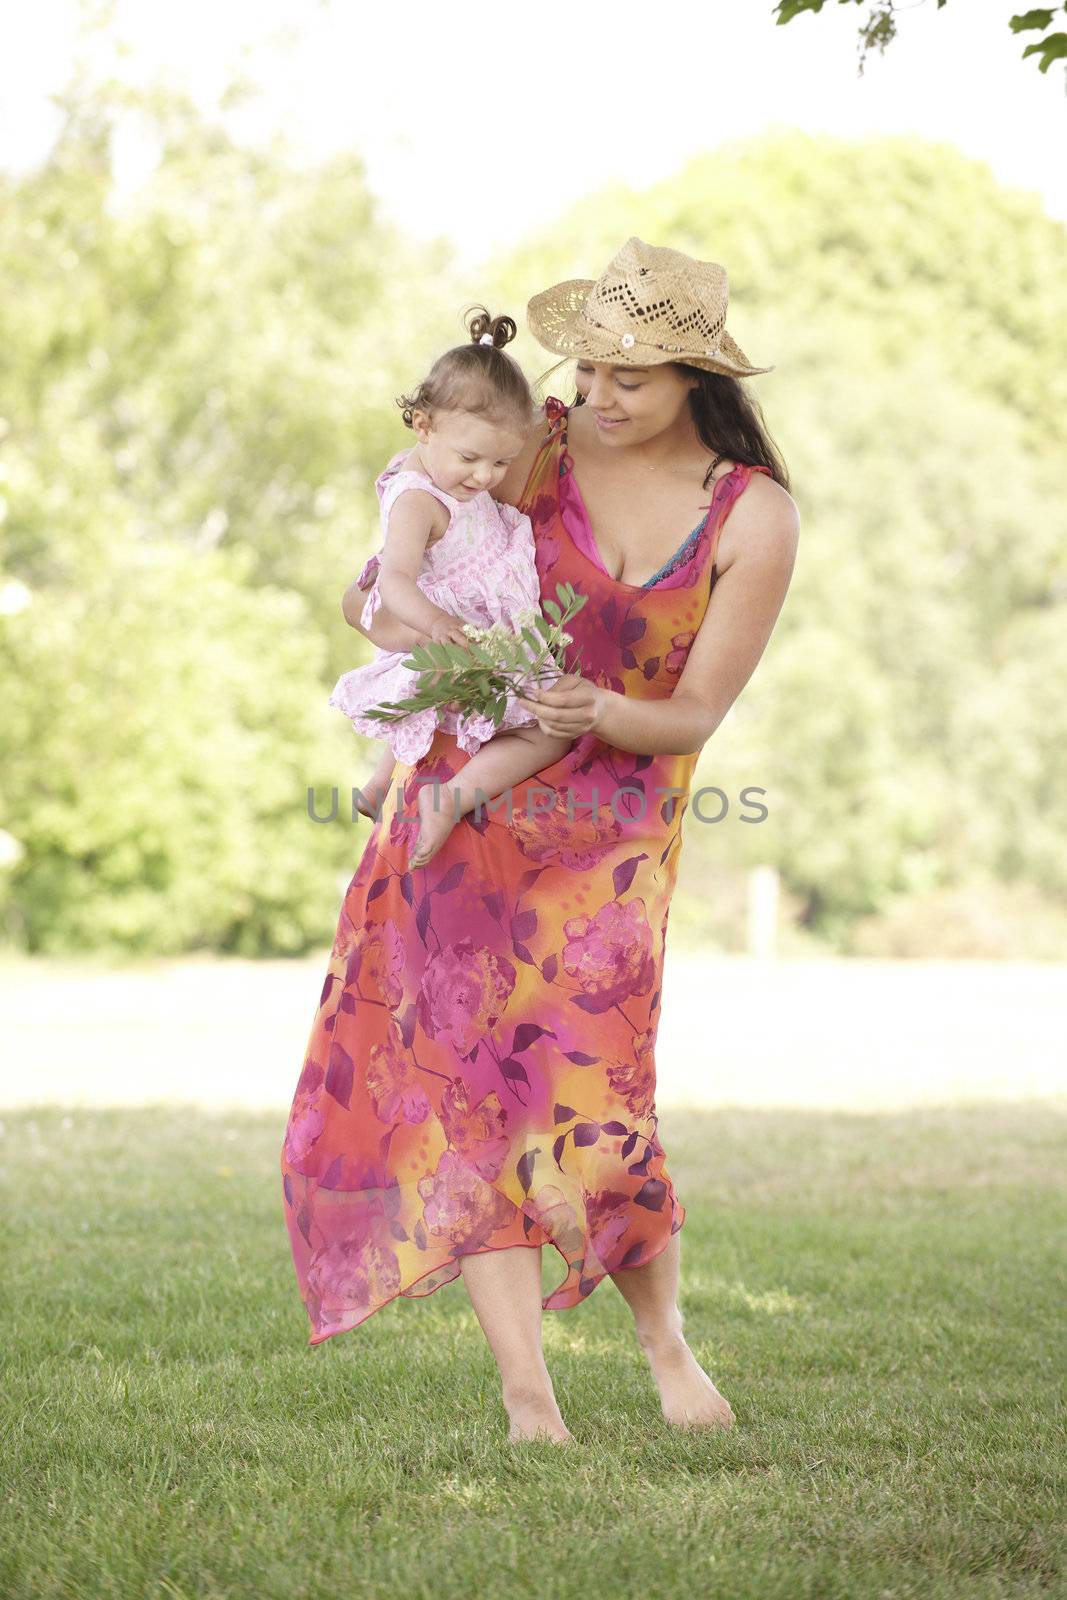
[[481, 1068]]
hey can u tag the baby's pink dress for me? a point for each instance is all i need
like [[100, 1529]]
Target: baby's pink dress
[[482, 570]]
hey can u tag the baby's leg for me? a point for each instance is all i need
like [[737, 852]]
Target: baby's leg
[[369, 798], [506, 760], [510, 756]]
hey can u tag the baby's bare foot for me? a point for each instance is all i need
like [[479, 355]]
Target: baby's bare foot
[[436, 821], [534, 1414], [688, 1398]]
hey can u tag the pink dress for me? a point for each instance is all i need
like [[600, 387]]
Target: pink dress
[[482, 570]]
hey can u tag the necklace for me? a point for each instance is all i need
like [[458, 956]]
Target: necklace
[[708, 476], [664, 466]]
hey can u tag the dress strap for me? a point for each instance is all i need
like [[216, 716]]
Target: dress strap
[[556, 413]]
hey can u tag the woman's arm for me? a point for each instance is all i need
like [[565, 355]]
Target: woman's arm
[[732, 637]]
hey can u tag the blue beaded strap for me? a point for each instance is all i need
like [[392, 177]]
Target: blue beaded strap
[[676, 560]]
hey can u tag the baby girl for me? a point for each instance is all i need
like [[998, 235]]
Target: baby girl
[[451, 555]]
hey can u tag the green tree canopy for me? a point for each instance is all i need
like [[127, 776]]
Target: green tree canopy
[[197, 390]]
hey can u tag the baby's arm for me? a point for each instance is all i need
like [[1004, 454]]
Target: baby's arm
[[384, 629], [414, 517]]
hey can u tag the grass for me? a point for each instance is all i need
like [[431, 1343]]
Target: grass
[[878, 1296]]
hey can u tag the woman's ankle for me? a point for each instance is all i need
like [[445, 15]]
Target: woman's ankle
[[661, 1336], [528, 1393]]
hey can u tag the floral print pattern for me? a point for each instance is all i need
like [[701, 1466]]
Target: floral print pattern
[[481, 1067]]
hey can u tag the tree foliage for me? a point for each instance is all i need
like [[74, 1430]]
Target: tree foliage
[[197, 390], [879, 26], [195, 393]]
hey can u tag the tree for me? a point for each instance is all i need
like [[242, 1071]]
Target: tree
[[196, 392], [879, 28]]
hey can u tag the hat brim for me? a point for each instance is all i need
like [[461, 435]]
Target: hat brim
[[555, 319]]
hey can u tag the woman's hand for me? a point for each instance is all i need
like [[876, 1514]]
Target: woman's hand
[[571, 707]]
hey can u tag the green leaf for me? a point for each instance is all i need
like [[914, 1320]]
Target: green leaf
[[1050, 50], [788, 9], [1041, 18]]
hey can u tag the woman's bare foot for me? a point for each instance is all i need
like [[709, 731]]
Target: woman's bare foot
[[688, 1398], [436, 821], [534, 1414]]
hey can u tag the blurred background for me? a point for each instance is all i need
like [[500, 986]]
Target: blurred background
[[230, 236]]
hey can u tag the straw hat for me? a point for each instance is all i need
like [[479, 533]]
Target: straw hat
[[649, 306]]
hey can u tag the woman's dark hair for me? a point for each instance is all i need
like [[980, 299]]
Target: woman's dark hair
[[730, 422], [476, 377]]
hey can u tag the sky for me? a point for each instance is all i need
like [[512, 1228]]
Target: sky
[[478, 121]]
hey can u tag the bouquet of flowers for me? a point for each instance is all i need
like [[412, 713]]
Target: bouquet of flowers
[[479, 676]]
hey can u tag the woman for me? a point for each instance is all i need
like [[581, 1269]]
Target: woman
[[480, 1079]]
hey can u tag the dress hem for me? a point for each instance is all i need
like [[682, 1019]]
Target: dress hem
[[402, 1294]]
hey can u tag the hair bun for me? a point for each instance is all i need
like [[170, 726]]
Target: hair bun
[[501, 329]]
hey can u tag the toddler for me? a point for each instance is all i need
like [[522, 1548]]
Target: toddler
[[451, 554]]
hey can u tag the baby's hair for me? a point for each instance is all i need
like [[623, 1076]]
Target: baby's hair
[[475, 377]]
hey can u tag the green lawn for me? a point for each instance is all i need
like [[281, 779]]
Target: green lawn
[[877, 1296]]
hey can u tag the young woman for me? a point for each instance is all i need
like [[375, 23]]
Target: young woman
[[480, 1079]]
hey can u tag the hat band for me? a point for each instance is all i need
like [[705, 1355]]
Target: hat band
[[651, 344]]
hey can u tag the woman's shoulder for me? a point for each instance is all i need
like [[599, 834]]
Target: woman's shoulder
[[764, 521], [765, 495]]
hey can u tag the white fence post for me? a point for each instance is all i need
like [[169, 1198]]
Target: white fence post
[[763, 913]]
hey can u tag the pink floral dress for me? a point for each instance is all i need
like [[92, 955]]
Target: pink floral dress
[[483, 570], [481, 1070]]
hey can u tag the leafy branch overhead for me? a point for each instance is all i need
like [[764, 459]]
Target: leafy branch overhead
[[880, 26]]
